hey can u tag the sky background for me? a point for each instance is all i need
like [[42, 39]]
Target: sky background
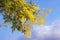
[[50, 31]]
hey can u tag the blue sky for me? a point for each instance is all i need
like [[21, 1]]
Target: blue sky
[[54, 5], [6, 33]]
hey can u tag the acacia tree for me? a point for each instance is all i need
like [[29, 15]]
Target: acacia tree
[[19, 12]]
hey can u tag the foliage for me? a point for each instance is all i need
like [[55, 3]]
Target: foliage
[[18, 12]]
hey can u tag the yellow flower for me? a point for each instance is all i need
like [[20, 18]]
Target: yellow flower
[[7, 5], [23, 19], [22, 3], [41, 21], [32, 10], [31, 16], [48, 10], [16, 16], [35, 7], [28, 34], [26, 30]]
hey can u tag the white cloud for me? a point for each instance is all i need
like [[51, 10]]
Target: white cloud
[[41, 30], [45, 32]]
